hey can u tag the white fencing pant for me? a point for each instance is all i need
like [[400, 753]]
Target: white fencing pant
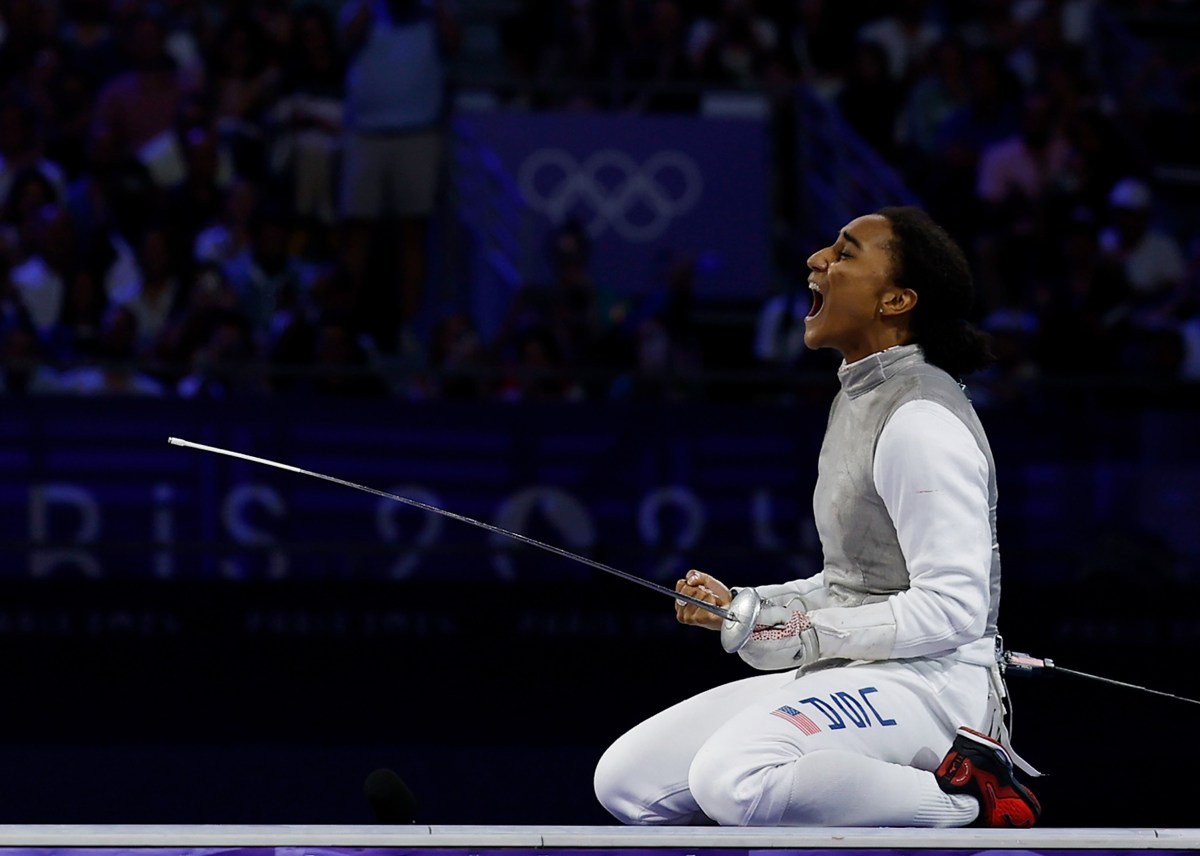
[[851, 745]]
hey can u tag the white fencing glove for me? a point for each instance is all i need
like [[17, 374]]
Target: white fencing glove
[[783, 636]]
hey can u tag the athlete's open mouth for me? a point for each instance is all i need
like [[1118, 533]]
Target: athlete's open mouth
[[818, 300]]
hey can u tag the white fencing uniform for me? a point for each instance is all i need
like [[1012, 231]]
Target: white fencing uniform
[[905, 614]]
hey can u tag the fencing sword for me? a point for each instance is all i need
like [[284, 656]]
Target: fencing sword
[[737, 620], [1020, 663]]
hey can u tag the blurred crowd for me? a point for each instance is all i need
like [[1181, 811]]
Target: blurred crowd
[[219, 198]]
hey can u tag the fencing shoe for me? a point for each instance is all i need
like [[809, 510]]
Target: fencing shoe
[[978, 765]]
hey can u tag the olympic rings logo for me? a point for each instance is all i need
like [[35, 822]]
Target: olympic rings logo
[[613, 191]]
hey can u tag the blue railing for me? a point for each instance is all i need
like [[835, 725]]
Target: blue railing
[[495, 221]]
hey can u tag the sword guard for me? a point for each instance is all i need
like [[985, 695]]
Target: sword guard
[[743, 613]]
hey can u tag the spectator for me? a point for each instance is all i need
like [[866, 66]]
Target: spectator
[[307, 118], [457, 358], [63, 92], [30, 193], [41, 279], [1020, 179], [160, 294], [1151, 259], [395, 107], [585, 40], [657, 63], [116, 372], [733, 47], [906, 36], [1154, 268], [940, 90], [28, 26], [1082, 304], [990, 115], [200, 197], [224, 363], [111, 202], [270, 282], [779, 328], [341, 365], [227, 235], [20, 149], [23, 367], [869, 99], [667, 355], [86, 34], [138, 105], [820, 36], [244, 76], [76, 336], [558, 323]]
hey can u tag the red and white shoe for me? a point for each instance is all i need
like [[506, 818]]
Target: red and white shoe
[[978, 765]]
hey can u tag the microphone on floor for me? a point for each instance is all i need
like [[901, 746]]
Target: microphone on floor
[[390, 798]]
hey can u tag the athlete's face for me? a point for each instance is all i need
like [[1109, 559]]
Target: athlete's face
[[855, 302]]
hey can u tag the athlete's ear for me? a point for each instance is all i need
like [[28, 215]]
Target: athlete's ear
[[898, 301]]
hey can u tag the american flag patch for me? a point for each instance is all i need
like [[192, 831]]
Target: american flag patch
[[797, 719]]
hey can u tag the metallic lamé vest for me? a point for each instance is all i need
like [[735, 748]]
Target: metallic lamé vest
[[863, 561]]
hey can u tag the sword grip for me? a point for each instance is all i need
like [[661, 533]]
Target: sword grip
[[1019, 662]]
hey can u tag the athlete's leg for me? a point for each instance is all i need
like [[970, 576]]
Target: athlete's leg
[[849, 746], [643, 777]]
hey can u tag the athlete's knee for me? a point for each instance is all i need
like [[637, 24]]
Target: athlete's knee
[[610, 782], [724, 787], [622, 787]]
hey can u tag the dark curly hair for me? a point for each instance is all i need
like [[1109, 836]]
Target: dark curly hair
[[927, 260]]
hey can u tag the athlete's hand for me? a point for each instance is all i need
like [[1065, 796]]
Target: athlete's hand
[[783, 636], [705, 588]]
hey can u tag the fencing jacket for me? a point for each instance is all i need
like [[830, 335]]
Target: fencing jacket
[[905, 507]]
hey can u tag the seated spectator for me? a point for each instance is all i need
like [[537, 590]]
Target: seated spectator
[[341, 366], [227, 235], [77, 334], [199, 197], [570, 309], [112, 201], [41, 279], [116, 371], [31, 192], [21, 149], [1082, 303], [224, 364], [270, 282], [457, 359], [160, 293], [779, 328], [1150, 258]]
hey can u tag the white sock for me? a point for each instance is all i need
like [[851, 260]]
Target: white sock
[[935, 807]]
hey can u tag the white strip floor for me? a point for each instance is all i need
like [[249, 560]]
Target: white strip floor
[[181, 838]]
